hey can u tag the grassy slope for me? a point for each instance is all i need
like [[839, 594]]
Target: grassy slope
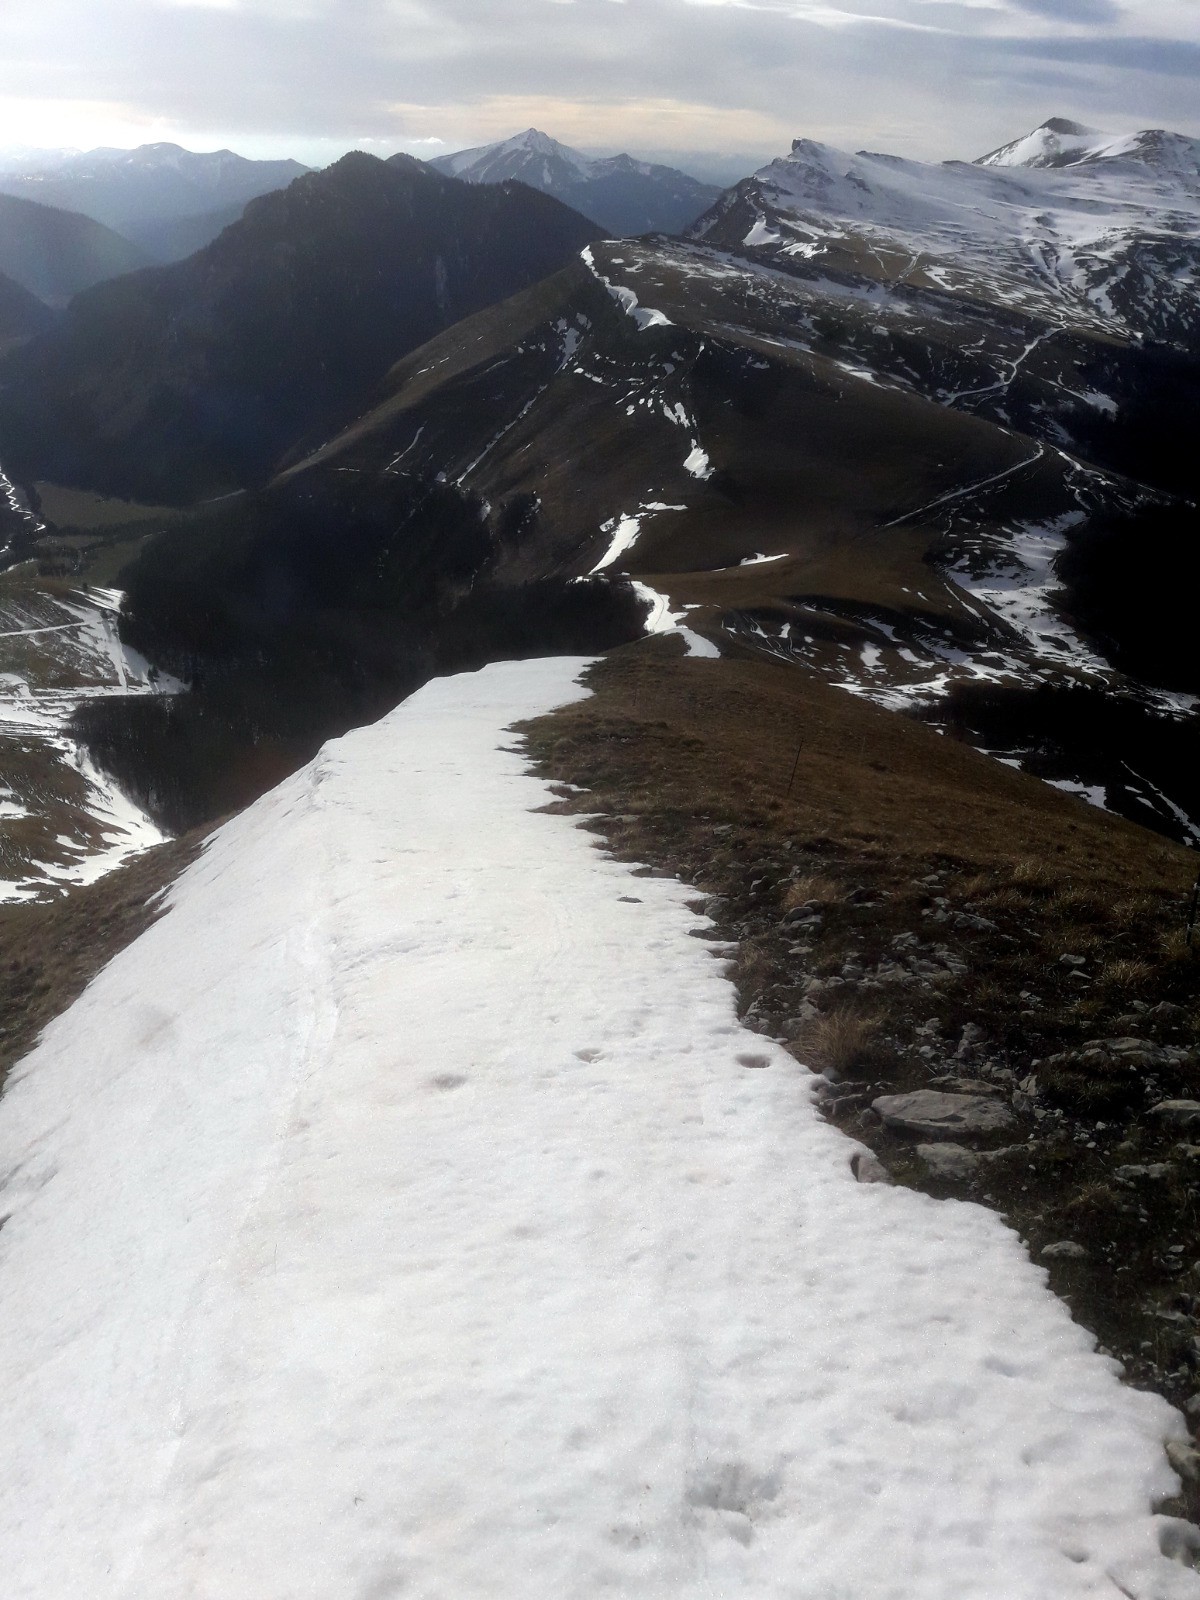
[[806, 459]]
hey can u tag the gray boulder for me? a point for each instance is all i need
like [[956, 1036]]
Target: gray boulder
[[1180, 1113], [949, 1161], [1063, 1250], [933, 1115]]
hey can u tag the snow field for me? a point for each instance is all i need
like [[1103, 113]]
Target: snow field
[[407, 1213]]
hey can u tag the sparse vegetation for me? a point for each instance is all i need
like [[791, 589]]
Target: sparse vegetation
[[843, 1042]]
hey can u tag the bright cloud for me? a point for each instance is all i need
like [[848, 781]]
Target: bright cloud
[[313, 77]]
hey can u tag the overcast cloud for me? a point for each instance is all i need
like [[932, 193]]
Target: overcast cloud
[[938, 78]]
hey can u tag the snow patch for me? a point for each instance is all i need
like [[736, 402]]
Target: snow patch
[[644, 316], [760, 234], [415, 1219]]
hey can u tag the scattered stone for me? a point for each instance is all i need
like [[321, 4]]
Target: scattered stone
[[949, 1161], [953, 1084], [965, 919], [1165, 1011], [1191, 1408], [1063, 1250], [1185, 1458], [1130, 1174], [1072, 961], [936, 1115], [1180, 1113], [971, 1038], [806, 1014], [1179, 1540], [867, 1167]]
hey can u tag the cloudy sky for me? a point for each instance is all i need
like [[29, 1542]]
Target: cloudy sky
[[312, 78]]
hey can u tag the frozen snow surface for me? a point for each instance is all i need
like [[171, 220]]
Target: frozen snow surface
[[407, 1213]]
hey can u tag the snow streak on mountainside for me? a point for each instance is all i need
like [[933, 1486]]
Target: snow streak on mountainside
[[62, 820], [462, 1241], [621, 194]]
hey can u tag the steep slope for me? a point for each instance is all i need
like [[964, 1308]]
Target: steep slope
[[56, 254], [192, 379], [461, 1230], [624, 196], [21, 313], [131, 190], [166, 239]]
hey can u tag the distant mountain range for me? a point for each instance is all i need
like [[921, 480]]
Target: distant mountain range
[[55, 254], [623, 196], [192, 379], [138, 192]]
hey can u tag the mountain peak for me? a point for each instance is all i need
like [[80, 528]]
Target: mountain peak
[[623, 196], [1057, 142], [1072, 130], [1061, 143], [535, 139]]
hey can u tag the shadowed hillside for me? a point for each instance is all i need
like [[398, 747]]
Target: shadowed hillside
[[191, 380]]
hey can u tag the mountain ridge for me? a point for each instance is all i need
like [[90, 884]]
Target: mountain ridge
[[190, 380], [57, 254], [133, 189]]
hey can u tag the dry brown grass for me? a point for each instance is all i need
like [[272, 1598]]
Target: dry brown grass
[[1009, 897], [1076, 905], [882, 802], [1128, 912], [753, 970], [1126, 973], [1173, 947], [1033, 874], [813, 888], [843, 1041]]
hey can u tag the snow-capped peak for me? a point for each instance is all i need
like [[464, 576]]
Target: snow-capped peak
[[533, 156], [1059, 143]]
